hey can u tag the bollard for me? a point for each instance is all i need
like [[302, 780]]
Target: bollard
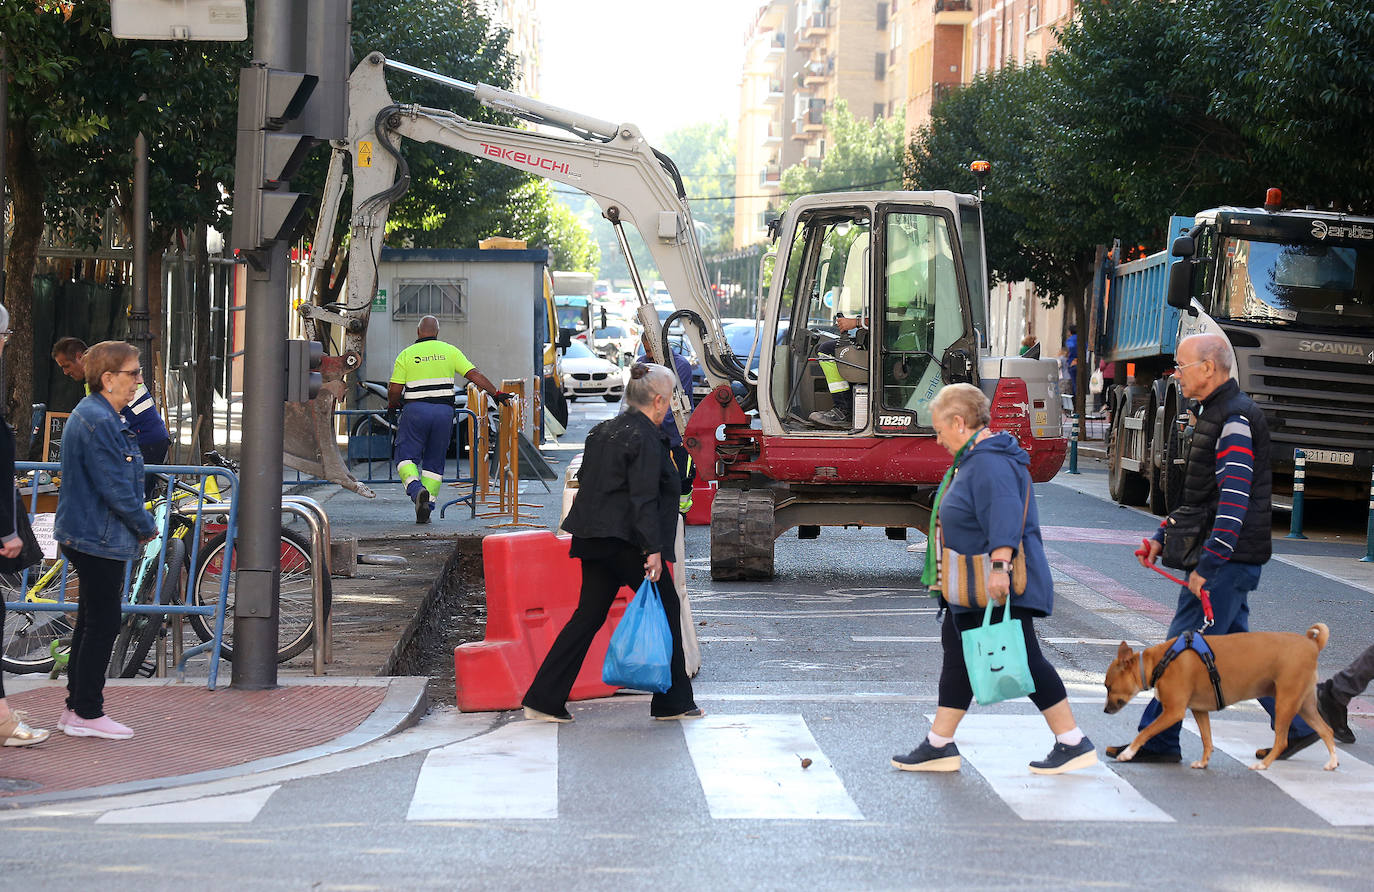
[[1074, 434], [1369, 534], [1299, 475]]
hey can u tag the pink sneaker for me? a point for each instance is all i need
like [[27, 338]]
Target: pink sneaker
[[104, 726], [67, 716]]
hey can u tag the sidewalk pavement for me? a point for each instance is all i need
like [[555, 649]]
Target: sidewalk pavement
[[185, 733]]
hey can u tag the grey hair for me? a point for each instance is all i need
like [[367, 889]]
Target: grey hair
[[647, 379], [1211, 346], [964, 400]]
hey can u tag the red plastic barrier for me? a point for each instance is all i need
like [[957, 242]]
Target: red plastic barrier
[[532, 589], [703, 494]]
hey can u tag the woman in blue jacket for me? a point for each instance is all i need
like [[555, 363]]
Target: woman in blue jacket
[[980, 512], [100, 523]]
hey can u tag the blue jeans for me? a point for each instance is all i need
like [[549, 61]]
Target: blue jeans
[[1228, 590]]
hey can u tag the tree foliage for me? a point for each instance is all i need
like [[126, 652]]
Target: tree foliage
[[705, 157], [860, 155]]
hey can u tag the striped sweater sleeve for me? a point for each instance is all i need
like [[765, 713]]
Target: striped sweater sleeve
[[1235, 470]]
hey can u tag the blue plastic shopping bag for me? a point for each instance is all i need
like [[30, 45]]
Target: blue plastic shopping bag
[[641, 648], [995, 655]]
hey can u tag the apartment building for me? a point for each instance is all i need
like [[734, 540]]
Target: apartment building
[[521, 17], [800, 57]]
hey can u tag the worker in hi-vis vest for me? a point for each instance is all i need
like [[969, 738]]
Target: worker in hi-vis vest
[[422, 379]]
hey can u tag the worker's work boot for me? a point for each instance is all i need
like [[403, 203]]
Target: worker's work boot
[[422, 506], [835, 419]]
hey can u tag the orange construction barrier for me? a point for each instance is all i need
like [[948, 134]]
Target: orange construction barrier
[[532, 590], [703, 494]]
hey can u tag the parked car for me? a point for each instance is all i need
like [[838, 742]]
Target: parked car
[[740, 336], [586, 374]]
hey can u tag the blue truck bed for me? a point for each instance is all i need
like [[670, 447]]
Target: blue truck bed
[[1137, 321]]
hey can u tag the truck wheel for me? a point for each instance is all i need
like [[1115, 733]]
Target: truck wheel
[[1156, 478], [1172, 474], [1125, 487], [742, 534]]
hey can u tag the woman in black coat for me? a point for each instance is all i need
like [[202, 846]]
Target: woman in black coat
[[623, 522]]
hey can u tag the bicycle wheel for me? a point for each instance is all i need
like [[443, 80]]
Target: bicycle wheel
[[295, 622], [29, 634], [139, 631]]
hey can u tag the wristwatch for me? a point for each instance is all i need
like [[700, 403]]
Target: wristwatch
[[1000, 567]]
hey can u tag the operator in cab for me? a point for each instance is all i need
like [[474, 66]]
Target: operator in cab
[[141, 414], [852, 337], [422, 381]]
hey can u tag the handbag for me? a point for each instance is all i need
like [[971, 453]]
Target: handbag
[[995, 656], [641, 648], [1186, 530], [30, 552], [1095, 383], [964, 577]]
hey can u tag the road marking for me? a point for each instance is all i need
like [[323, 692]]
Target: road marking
[[749, 766], [1000, 746], [893, 613], [1343, 798], [704, 638], [935, 639], [236, 808], [510, 773], [1093, 534]]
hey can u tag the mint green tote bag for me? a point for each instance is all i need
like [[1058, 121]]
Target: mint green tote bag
[[995, 655]]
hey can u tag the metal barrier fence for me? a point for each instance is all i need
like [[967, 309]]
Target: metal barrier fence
[[201, 500]]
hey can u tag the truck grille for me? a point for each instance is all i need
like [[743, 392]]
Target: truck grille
[[1312, 402]]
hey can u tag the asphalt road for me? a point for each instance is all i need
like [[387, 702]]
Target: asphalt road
[[835, 660]]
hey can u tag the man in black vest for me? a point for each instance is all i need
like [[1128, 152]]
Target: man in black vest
[[1228, 473]]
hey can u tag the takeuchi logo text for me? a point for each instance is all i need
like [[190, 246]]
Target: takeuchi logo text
[[538, 162]]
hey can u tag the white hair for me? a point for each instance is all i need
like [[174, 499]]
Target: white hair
[[647, 379]]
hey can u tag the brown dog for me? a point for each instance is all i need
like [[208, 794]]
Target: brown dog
[[1281, 665]]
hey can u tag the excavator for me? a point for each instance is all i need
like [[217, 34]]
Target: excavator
[[906, 269]]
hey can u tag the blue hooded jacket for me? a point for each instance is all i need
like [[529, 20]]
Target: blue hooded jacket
[[981, 510]]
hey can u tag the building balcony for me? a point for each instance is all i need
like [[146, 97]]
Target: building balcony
[[953, 12], [770, 175], [817, 72], [777, 45], [812, 30], [774, 94]]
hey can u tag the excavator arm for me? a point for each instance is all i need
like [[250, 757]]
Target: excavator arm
[[632, 183]]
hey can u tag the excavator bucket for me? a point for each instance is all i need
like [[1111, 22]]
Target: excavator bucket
[[310, 445]]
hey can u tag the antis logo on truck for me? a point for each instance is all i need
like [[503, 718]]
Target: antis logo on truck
[[538, 162], [1321, 229]]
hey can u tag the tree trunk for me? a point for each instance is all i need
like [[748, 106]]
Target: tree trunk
[[25, 180], [1077, 298]]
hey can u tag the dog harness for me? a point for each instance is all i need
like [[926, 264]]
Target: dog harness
[[1195, 642]]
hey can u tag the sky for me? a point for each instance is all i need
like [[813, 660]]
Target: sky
[[655, 63]]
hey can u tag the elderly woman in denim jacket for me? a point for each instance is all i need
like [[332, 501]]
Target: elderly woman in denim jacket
[[100, 523]]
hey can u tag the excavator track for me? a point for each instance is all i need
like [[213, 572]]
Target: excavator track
[[742, 534]]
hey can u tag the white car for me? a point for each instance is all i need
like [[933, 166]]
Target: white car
[[618, 342], [586, 374]]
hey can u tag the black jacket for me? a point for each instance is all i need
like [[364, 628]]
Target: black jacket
[[1255, 542], [627, 486]]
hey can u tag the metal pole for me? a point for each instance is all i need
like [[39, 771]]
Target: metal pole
[[258, 580], [1073, 444], [1369, 535], [1299, 477], [138, 306]]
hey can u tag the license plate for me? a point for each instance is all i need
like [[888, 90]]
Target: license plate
[[1329, 457]]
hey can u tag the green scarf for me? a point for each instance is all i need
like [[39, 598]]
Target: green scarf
[[930, 575]]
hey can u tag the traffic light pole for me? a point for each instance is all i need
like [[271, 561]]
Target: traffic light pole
[[258, 578]]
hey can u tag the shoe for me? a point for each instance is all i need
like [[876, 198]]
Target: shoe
[[67, 716], [423, 506], [695, 712], [16, 731], [832, 418], [1148, 756], [1333, 713], [535, 715], [1295, 745], [928, 757], [104, 726], [1065, 758]]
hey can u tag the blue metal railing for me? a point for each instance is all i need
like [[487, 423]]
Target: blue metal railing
[[136, 572]]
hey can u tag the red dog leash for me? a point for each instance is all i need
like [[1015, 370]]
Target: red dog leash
[[1144, 551]]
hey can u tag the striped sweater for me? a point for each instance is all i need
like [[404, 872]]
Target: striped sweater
[[1235, 470]]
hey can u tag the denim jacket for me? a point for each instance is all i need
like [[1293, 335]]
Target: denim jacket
[[100, 511]]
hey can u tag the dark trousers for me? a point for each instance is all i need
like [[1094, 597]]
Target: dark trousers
[[97, 625], [955, 690], [422, 436], [601, 579], [1228, 591]]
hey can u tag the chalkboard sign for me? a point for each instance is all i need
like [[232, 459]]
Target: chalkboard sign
[[53, 425]]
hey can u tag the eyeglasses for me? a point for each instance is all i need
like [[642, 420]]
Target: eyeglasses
[[1188, 365], [137, 373]]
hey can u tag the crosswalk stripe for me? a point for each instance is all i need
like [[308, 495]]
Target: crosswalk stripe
[[1000, 746], [750, 766], [510, 773], [234, 808], [1342, 798]]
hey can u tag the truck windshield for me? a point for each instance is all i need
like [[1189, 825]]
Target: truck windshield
[[1300, 285]]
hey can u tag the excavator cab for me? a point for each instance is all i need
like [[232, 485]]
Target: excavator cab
[[898, 269]]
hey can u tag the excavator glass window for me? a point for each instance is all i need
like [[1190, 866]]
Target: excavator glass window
[[922, 312], [827, 275]]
